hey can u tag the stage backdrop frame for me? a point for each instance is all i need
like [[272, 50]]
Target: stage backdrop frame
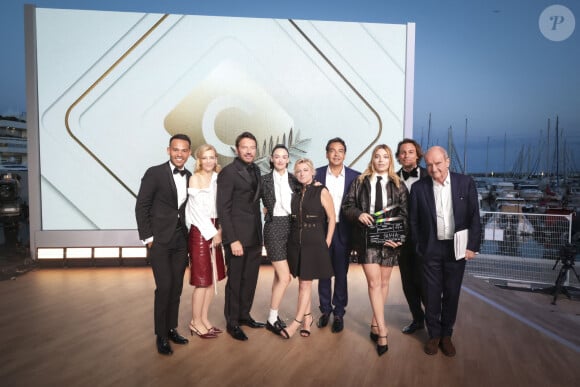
[[103, 100]]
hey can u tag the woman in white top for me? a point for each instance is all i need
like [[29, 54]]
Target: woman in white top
[[205, 252], [278, 187]]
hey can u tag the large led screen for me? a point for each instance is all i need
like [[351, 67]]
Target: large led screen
[[114, 86]]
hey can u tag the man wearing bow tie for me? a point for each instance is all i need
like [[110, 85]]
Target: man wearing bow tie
[[409, 154], [160, 214]]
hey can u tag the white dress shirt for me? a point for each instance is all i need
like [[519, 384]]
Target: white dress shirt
[[180, 184], [335, 185], [283, 193], [444, 209]]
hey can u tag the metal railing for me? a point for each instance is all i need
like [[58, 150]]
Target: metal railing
[[522, 249]]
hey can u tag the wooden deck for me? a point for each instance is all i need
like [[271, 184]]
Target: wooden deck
[[94, 327]]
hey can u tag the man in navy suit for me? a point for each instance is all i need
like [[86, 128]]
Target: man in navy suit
[[439, 208], [160, 214], [337, 178], [409, 154]]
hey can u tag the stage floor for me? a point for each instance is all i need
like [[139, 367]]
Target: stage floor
[[94, 327]]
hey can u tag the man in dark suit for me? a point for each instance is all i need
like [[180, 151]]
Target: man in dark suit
[[337, 178], [440, 208], [409, 154], [160, 214], [238, 206]]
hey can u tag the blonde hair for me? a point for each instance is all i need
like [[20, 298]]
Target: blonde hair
[[307, 162], [390, 171], [199, 154]]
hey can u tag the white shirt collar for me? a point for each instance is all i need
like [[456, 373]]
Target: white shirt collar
[[329, 172]]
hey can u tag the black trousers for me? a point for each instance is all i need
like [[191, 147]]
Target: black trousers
[[241, 285], [168, 262], [443, 276], [411, 269]]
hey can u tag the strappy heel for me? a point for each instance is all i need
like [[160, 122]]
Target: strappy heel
[[284, 333], [374, 336], [207, 335], [382, 349], [306, 332]]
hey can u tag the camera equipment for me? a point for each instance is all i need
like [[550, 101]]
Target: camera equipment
[[567, 256]]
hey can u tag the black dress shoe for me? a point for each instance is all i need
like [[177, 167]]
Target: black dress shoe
[[237, 333], [337, 324], [411, 328], [275, 328], [323, 320], [250, 322], [163, 346], [176, 337], [282, 323]]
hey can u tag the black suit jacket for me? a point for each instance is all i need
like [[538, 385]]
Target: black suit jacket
[[238, 204], [156, 208], [268, 192], [423, 219]]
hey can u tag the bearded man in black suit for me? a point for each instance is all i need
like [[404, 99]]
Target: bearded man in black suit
[[160, 214], [238, 206]]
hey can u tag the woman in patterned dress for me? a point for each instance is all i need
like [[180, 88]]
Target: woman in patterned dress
[[278, 187], [360, 203], [205, 252]]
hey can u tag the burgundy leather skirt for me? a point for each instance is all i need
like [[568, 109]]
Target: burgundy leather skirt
[[200, 265]]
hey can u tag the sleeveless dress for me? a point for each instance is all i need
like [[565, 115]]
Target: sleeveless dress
[[308, 254], [201, 219]]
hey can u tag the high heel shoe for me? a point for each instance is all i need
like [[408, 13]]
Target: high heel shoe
[[382, 349], [215, 330], [207, 335], [306, 332], [374, 336], [284, 333]]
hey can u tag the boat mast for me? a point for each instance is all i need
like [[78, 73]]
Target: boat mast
[[487, 157], [465, 148], [429, 132], [557, 156], [548, 166]]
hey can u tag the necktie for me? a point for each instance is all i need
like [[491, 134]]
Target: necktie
[[413, 173], [378, 195], [252, 171], [176, 171]]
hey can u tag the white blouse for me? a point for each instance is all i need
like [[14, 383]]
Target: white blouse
[[283, 194], [201, 208]]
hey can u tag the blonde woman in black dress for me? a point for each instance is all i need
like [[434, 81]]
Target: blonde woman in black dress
[[311, 229], [278, 187], [361, 201]]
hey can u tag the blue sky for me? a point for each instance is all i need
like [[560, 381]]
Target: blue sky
[[484, 61]]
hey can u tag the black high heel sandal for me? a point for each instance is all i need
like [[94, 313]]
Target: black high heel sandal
[[306, 332], [374, 336], [382, 349], [284, 333]]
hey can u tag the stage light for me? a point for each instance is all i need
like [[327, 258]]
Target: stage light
[[50, 253], [79, 252]]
